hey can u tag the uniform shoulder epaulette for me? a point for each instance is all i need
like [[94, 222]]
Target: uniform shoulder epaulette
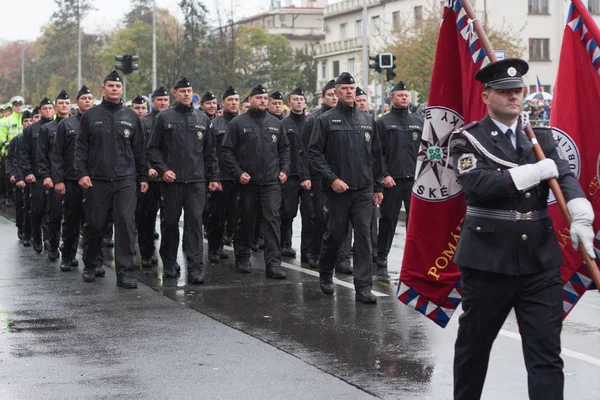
[[467, 126]]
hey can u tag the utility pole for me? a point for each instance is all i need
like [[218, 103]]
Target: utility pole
[[78, 46], [22, 68], [154, 84], [382, 89], [365, 46]]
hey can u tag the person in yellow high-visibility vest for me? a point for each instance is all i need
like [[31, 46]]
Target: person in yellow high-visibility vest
[[10, 126]]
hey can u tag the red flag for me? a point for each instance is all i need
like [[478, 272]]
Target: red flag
[[429, 280], [575, 109]]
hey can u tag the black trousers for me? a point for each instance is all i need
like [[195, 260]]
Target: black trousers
[[222, 204], [145, 217], [175, 197], [45, 202], [390, 209], [321, 206], [20, 216], [293, 195], [26, 192], [72, 214], [100, 198], [267, 199], [487, 298], [355, 206]]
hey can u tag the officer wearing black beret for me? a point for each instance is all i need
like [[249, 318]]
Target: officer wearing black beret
[[508, 254], [139, 104], [361, 100], [257, 153], [345, 150], [208, 102], [276, 104]]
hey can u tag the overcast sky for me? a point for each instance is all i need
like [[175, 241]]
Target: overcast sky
[[22, 20]]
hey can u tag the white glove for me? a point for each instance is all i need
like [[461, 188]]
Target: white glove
[[530, 175], [582, 217]]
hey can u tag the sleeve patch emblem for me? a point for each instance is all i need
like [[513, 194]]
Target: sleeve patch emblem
[[467, 162]]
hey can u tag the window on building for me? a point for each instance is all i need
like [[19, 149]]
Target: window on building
[[343, 32], [336, 69], [538, 6], [539, 49], [396, 20], [324, 69], [358, 28], [545, 88], [269, 23], [419, 13], [594, 6], [282, 19], [351, 66], [375, 25]]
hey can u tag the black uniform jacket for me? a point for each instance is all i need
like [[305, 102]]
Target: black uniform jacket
[[110, 145], [12, 154], [345, 144], [255, 144], [500, 246], [45, 143], [182, 142], [308, 130], [27, 161], [400, 133], [219, 129], [293, 126], [63, 150]]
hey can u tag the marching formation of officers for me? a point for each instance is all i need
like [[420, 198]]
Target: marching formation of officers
[[238, 170]]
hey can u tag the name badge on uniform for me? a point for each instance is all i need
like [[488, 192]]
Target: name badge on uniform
[[336, 121], [467, 162]]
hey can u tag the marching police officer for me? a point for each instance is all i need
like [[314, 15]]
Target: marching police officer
[[508, 253], [64, 177], [297, 187], [208, 102], [28, 171], [256, 151], [10, 126], [140, 105], [110, 155], [400, 133], [361, 100], [245, 105], [276, 104], [345, 150], [222, 203], [149, 202], [182, 151], [44, 149]]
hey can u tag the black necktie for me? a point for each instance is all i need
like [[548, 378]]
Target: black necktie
[[509, 134]]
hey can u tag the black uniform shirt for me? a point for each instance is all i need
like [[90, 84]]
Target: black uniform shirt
[[293, 126], [63, 150], [219, 129], [27, 162], [44, 147]]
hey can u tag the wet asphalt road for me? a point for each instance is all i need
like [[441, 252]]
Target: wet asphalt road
[[268, 339]]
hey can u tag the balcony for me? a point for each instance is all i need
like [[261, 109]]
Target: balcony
[[339, 47], [346, 6]]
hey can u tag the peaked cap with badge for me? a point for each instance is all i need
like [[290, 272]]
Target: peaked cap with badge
[[503, 74]]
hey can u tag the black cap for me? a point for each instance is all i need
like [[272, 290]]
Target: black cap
[[345, 79], [258, 89], [161, 91], [360, 92], [183, 82], [113, 77], [245, 100], [138, 100], [63, 95], [297, 91], [45, 101], [329, 85], [503, 74], [207, 96], [219, 106], [84, 90], [26, 114], [35, 111], [230, 91], [276, 95], [399, 86]]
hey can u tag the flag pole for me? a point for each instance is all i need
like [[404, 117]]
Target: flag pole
[[537, 149]]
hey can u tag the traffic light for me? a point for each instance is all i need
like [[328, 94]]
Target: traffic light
[[390, 75], [375, 64], [127, 65], [386, 60]]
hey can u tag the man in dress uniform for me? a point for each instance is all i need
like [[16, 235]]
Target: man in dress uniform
[[508, 254], [182, 150], [140, 106], [297, 187], [276, 104], [110, 160], [222, 203], [28, 171], [64, 177], [401, 134], [53, 200], [149, 202], [208, 102], [256, 151], [345, 150]]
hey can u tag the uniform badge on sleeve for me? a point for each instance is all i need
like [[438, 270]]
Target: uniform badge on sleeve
[[467, 162], [415, 135], [126, 133], [367, 137], [200, 135], [274, 138]]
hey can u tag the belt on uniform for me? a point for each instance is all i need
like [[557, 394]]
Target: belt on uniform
[[506, 215]]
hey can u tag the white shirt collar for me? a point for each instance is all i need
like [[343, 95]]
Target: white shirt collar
[[504, 128]]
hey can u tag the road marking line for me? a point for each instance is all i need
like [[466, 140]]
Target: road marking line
[[316, 274], [566, 352]]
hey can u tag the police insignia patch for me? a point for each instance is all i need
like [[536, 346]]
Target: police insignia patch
[[200, 135], [126, 133], [274, 138], [367, 136], [415, 135], [467, 162]]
